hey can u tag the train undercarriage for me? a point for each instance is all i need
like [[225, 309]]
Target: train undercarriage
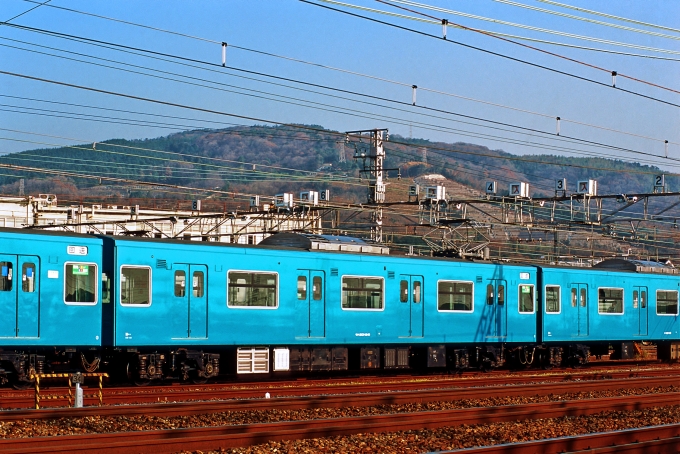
[[138, 366]]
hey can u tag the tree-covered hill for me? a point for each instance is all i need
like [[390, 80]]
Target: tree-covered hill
[[268, 160]]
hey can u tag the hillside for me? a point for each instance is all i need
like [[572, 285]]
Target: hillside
[[254, 160]]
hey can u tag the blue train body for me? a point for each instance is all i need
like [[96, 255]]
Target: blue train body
[[155, 308]]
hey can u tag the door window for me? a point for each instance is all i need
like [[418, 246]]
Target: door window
[[317, 288], [28, 277], [5, 276]]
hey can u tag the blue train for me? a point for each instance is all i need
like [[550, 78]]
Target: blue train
[[147, 309]]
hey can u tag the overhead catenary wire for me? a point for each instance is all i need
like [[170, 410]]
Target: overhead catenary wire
[[329, 67], [346, 91], [498, 54]]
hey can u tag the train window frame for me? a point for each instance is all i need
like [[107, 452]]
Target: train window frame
[[120, 286], [472, 296], [10, 276], [600, 302], [677, 303], [251, 272], [533, 298], [179, 287], [301, 292], [363, 309], [97, 280], [559, 299]]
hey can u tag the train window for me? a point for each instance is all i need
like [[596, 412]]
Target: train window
[[362, 292], [180, 283], [28, 277], [317, 288], [501, 295], [416, 291], [635, 299], [302, 287], [489, 294], [80, 283], [403, 291], [456, 296], [198, 284], [643, 299], [106, 289], [667, 302], [5, 276], [573, 298], [583, 297], [135, 285], [526, 298], [610, 300], [552, 298], [252, 289]]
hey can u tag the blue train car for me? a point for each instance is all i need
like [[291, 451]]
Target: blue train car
[[300, 303], [50, 298], [615, 302]]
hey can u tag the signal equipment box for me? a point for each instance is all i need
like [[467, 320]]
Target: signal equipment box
[[435, 193], [587, 187], [519, 190]]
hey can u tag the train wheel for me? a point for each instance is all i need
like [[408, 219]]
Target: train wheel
[[133, 377], [199, 380], [22, 384]]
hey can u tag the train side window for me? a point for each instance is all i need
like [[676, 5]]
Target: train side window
[[135, 285], [667, 302], [5, 276], [252, 289], [489, 294], [80, 283], [28, 277], [403, 291], [610, 300], [317, 288], [456, 296], [552, 298], [526, 298], [302, 287], [501, 295], [362, 293], [180, 283], [416, 291], [106, 289], [198, 284]]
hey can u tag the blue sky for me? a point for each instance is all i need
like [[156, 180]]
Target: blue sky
[[445, 73]]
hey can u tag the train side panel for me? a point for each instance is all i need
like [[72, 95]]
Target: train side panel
[[582, 305], [50, 289]]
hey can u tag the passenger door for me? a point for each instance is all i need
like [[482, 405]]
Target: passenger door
[[19, 295], [640, 304], [579, 308], [411, 305], [310, 307], [497, 309], [191, 290]]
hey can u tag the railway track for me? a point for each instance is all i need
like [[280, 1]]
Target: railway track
[[207, 438], [657, 439], [164, 394]]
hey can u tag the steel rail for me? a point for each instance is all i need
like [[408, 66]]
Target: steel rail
[[657, 439], [207, 438], [118, 396], [340, 400]]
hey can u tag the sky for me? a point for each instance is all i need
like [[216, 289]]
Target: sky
[[291, 61]]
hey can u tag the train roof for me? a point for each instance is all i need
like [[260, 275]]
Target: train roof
[[640, 266], [325, 243]]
